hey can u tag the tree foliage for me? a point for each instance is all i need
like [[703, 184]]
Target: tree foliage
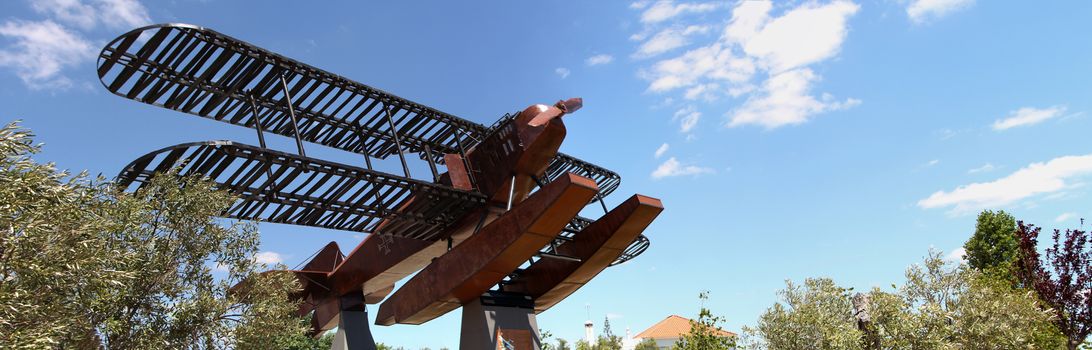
[[1062, 277], [939, 307], [993, 247], [705, 332], [646, 344], [603, 342], [815, 315], [84, 265]]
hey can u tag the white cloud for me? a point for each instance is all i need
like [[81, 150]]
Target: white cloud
[[666, 9], [1065, 216], [921, 11], [73, 12], [689, 118], [672, 167], [932, 162], [780, 48], [41, 51], [945, 133], [982, 169], [122, 14], [661, 150], [748, 18], [711, 63], [664, 41], [1047, 178], [562, 72], [268, 258], [599, 59], [704, 91], [957, 255], [805, 35], [1027, 116], [785, 99]]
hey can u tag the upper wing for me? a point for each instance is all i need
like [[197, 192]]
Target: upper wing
[[205, 73], [286, 188], [202, 72]]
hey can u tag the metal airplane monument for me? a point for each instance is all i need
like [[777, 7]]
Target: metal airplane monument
[[494, 227]]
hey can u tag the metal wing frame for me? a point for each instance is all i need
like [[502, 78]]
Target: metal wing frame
[[279, 187], [202, 72], [205, 73]]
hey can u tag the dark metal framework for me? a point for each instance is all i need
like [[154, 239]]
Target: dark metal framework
[[579, 223], [285, 188], [205, 73], [208, 74]]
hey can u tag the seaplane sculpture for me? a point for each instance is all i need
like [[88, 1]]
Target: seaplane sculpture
[[494, 230]]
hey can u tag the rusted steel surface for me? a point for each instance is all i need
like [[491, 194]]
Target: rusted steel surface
[[450, 223], [380, 261], [523, 147], [599, 244], [484, 259], [313, 276]]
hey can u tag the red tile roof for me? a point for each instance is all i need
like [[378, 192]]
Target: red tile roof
[[673, 326]]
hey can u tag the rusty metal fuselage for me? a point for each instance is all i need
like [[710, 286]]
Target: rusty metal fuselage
[[503, 165]]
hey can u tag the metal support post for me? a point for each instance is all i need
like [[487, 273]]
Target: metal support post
[[353, 330], [431, 163], [397, 143], [292, 114], [257, 121], [511, 192], [261, 132], [462, 154]]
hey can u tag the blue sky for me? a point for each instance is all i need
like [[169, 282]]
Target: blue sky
[[787, 140]]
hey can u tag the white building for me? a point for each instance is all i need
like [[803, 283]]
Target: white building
[[665, 333], [589, 332]]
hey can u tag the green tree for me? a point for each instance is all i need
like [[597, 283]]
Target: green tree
[[646, 344], [705, 332], [993, 247], [612, 342], [545, 339], [601, 343], [966, 308], [84, 265], [817, 315], [940, 307], [562, 344]]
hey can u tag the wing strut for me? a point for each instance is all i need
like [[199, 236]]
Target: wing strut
[[292, 113], [397, 142]]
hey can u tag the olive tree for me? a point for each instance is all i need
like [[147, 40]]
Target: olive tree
[[84, 265], [940, 306]]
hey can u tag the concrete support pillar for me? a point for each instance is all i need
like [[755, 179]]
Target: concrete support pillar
[[500, 321], [353, 332]]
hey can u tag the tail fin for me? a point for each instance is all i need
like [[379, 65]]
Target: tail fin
[[325, 260], [313, 276]]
